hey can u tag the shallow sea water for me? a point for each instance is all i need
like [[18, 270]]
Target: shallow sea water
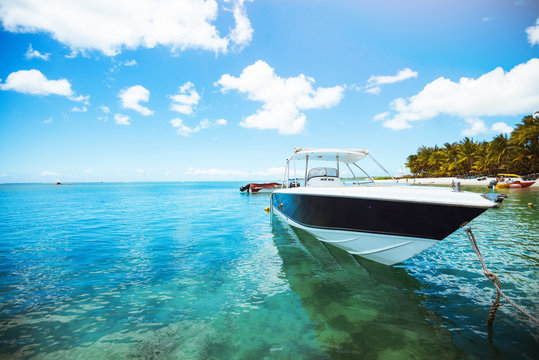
[[200, 271]]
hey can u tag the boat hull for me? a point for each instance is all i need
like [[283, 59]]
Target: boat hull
[[381, 230], [385, 249], [521, 184]]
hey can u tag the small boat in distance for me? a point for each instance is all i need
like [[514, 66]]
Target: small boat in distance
[[511, 181], [383, 223], [254, 188]]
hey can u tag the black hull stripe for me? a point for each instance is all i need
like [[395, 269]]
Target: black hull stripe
[[350, 230], [407, 219]]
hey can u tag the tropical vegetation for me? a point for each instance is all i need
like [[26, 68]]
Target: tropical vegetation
[[517, 153]]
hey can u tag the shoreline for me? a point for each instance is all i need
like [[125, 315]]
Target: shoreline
[[448, 181]]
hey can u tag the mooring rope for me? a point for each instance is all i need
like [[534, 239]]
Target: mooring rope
[[497, 284]]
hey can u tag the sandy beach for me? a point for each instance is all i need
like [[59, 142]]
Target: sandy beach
[[449, 180]]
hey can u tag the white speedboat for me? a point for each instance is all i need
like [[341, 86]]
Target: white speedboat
[[384, 223]]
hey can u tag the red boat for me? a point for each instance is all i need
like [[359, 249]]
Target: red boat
[[521, 184], [254, 188], [512, 181]]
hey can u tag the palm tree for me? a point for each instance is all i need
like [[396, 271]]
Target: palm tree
[[525, 138], [482, 162], [412, 164], [450, 154], [466, 153], [436, 161], [517, 153], [498, 151], [423, 155]]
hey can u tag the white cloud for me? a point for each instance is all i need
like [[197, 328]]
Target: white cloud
[[477, 126], [374, 81], [185, 100], [204, 124], [373, 90], [73, 54], [216, 172], [122, 119], [242, 33], [185, 130], [48, 121], [501, 127], [381, 116], [48, 173], [132, 62], [282, 98], [78, 109], [132, 96], [82, 99], [511, 93], [111, 26], [105, 110], [33, 82], [274, 173], [31, 53], [533, 33], [119, 64]]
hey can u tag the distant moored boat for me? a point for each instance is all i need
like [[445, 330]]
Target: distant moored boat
[[512, 181]]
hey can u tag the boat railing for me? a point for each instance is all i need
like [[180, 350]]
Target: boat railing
[[383, 168]]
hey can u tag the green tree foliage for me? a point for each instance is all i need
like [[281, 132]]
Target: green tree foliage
[[518, 153]]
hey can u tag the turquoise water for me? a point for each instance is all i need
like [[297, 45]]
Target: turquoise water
[[199, 271]]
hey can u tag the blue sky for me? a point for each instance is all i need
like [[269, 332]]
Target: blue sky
[[224, 90]]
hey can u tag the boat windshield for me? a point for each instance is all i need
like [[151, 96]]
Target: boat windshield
[[322, 171]]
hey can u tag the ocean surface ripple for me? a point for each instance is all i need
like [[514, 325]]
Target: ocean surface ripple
[[200, 271]]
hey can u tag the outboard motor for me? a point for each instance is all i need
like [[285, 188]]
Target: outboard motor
[[294, 184], [492, 184], [246, 187]]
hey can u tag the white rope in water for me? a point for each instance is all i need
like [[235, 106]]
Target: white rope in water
[[497, 284]]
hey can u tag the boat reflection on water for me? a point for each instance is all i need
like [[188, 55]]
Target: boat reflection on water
[[358, 307]]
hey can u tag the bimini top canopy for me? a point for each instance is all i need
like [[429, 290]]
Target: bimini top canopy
[[347, 156]]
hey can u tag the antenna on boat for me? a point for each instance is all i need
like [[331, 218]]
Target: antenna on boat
[[383, 168]]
